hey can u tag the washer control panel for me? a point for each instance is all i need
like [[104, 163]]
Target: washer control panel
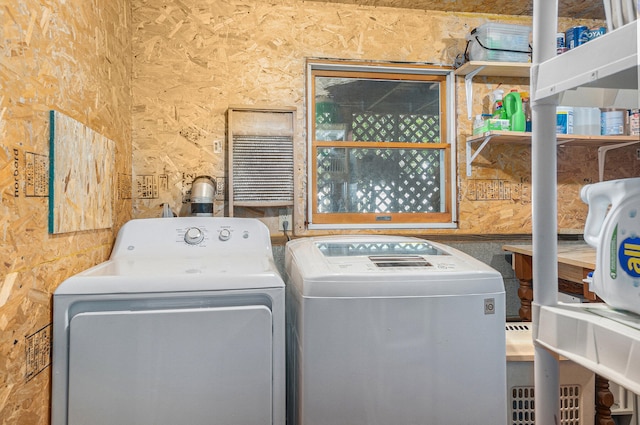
[[172, 236], [200, 235]]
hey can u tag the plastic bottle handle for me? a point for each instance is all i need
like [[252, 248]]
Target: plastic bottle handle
[[509, 105], [513, 103], [599, 202], [601, 196]]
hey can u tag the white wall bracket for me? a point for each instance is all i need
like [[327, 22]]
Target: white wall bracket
[[471, 156], [468, 88], [602, 155]]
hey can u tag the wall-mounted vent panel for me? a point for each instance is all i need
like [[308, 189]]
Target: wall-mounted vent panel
[[260, 157], [399, 261], [262, 169]]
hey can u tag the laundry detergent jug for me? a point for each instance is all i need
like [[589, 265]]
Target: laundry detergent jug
[[515, 111], [613, 228]]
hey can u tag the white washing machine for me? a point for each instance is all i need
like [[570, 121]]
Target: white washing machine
[[393, 330], [184, 324]]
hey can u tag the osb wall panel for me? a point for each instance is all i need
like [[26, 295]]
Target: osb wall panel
[[193, 58], [81, 194], [72, 56]]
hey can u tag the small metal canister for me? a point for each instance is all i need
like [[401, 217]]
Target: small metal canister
[[613, 122], [574, 36], [203, 192]]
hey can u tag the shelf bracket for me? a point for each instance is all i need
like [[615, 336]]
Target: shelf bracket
[[471, 157], [468, 88], [602, 155], [561, 143]]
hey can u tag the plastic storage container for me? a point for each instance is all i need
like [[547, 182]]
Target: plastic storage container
[[586, 121], [577, 384], [499, 42]]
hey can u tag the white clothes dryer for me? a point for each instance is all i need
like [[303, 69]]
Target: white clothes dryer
[[184, 324], [393, 330]]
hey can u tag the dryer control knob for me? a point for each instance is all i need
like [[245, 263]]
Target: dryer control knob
[[193, 236], [224, 235]]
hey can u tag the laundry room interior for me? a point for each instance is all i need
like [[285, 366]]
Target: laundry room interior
[[110, 111]]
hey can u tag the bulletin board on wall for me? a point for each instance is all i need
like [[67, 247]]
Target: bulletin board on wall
[[81, 170]]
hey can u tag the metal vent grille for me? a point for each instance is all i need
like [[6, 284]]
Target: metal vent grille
[[388, 249], [399, 261], [262, 169], [517, 327], [522, 405]]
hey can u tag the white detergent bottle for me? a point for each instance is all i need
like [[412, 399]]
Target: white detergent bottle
[[613, 228]]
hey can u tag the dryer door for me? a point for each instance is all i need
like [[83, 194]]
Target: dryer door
[[167, 367]]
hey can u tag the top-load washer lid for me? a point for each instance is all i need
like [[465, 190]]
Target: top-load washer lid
[[378, 265], [386, 253], [181, 255]]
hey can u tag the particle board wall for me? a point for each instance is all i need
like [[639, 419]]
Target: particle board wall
[[193, 59], [81, 167], [73, 56]]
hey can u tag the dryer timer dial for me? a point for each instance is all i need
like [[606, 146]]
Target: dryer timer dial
[[193, 236], [224, 235]]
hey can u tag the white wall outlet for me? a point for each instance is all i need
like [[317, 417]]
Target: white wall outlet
[[285, 216], [220, 195], [217, 146]]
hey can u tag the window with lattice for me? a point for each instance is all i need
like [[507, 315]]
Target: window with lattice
[[380, 145]]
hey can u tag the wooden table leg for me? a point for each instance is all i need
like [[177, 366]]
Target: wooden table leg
[[604, 401], [525, 293], [523, 267], [604, 397]]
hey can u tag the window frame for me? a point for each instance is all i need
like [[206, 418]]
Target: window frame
[[413, 72]]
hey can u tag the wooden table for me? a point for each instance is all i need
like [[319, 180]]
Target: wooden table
[[575, 261]]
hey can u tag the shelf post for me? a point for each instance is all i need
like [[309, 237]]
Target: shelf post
[[544, 212]]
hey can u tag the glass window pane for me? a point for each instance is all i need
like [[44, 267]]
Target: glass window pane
[[358, 109], [373, 180]]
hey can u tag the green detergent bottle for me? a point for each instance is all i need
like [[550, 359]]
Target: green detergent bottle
[[515, 111]]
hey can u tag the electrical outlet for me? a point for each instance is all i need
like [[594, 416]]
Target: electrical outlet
[[638, 154], [220, 188], [217, 146], [285, 215]]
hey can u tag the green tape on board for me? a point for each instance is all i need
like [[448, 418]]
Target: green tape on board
[[52, 127]]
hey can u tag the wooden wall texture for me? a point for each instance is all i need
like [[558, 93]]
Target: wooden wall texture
[[192, 59], [73, 56], [157, 77]]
